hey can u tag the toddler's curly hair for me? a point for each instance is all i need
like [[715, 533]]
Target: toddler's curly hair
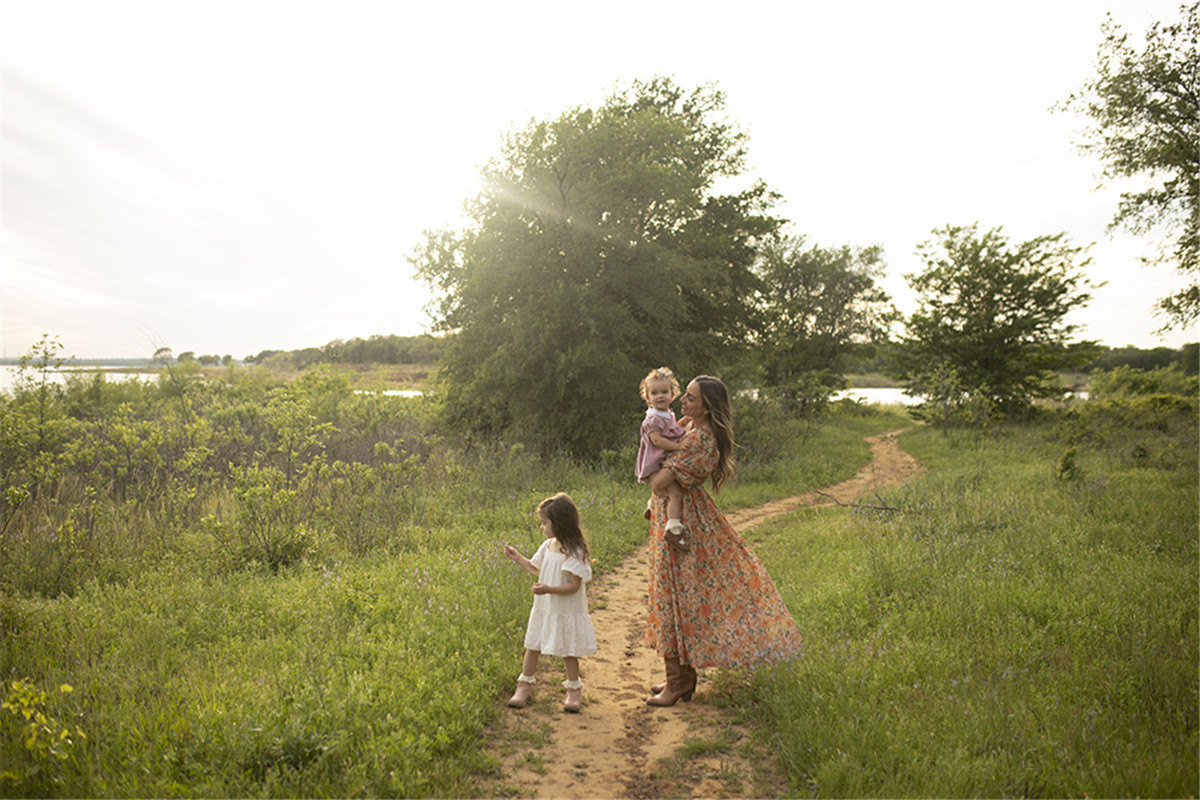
[[659, 374]]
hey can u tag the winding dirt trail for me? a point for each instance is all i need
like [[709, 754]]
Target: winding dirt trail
[[614, 747]]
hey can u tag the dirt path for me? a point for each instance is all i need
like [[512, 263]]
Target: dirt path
[[614, 747]]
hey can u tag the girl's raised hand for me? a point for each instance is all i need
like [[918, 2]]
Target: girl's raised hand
[[511, 552]]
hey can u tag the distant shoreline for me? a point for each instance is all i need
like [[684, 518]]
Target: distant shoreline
[[89, 362]]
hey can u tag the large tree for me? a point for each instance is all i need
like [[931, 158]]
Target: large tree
[[991, 318], [820, 307], [1144, 109], [597, 250]]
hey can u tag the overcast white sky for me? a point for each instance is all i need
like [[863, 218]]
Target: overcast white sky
[[227, 177]]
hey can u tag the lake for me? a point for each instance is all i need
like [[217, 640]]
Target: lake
[[9, 372], [884, 396]]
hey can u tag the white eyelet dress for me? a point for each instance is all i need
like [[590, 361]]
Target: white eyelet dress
[[559, 624]]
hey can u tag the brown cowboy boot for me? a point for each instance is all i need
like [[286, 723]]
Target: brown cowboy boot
[[681, 683], [688, 671]]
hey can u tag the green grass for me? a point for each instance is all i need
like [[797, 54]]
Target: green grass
[[1027, 624], [1009, 632], [336, 675], [832, 453]]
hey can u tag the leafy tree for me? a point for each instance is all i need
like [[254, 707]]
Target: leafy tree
[[598, 249], [993, 316], [1145, 110], [819, 308], [423, 349], [1189, 358], [262, 356]]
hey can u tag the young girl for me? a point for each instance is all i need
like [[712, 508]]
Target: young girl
[[660, 433], [559, 624]]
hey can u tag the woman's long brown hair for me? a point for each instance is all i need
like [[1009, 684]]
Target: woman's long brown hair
[[720, 416], [563, 516]]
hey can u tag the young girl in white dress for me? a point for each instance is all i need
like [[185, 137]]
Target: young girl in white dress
[[559, 624]]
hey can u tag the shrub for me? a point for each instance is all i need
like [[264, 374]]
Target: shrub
[[1125, 382]]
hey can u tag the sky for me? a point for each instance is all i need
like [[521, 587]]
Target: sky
[[229, 177]]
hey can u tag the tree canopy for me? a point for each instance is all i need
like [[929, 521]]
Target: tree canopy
[[819, 307], [598, 249], [990, 321], [1145, 113]]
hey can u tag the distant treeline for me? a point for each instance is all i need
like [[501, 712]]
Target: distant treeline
[[1187, 357], [426, 349], [423, 349]]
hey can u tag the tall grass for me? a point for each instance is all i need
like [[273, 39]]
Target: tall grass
[[298, 593], [1024, 625]]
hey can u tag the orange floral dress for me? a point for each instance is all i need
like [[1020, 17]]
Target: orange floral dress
[[714, 606]]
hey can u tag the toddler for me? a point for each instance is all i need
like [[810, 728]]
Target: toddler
[[661, 433]]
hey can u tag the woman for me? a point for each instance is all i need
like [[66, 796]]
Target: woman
[[712, 603]]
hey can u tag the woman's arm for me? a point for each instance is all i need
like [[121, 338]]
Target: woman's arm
[[660, 480], [570, 587], [688, 466], [513, 554]]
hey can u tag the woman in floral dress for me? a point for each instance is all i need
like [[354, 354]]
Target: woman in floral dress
[[712, 602]]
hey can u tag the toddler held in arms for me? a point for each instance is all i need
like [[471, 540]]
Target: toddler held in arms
[[660, 434]]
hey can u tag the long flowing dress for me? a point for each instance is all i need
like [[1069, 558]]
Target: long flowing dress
[[714, 606]]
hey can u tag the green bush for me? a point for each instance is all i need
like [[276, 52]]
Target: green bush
[[261, 589], [1127, 382]]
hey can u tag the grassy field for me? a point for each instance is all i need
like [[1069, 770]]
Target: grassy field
[[1024, 623], [297, 590], [304, 624]]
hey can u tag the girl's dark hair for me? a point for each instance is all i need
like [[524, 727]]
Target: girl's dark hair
[[715, 397], [563, 516]]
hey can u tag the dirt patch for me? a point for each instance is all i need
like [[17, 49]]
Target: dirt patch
[[619, 747]]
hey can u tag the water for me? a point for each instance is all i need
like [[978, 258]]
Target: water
[[895, 396], [884, 396], [9, 372], [393, 392]]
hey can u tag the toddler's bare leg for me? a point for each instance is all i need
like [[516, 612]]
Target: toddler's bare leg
[[675, 530], [674, 501]]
